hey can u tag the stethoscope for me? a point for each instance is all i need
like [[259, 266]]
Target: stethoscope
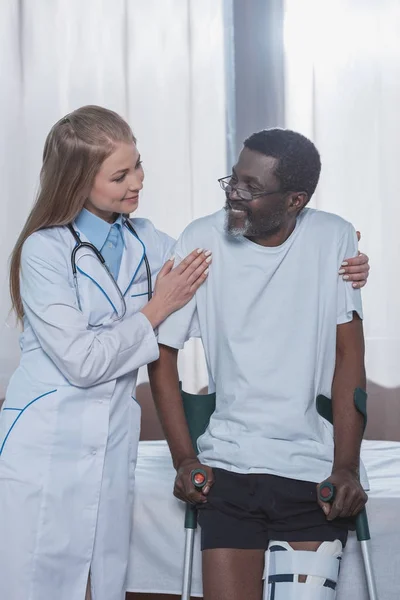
[[79, 245]]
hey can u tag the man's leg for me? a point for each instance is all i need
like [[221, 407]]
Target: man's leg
[[233, 574], [234, 538]]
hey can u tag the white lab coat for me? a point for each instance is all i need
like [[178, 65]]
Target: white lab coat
[[69, 427]]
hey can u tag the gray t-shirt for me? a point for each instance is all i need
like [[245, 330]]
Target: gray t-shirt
[[267, 317]]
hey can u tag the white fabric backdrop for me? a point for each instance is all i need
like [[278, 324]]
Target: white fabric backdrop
[[343, 90], [159, 63]]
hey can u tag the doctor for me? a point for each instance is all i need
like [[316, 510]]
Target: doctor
[[69, 427]]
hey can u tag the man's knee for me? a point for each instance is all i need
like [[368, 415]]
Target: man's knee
[[306, 571]]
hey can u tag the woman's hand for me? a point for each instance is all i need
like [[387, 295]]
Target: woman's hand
[[176, 286], [356, 269]]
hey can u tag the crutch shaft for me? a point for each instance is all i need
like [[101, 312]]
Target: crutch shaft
[[369, 574], [198, 410], [188, 564], [190, 528]]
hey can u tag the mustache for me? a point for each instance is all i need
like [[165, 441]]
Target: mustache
[[236, 205]]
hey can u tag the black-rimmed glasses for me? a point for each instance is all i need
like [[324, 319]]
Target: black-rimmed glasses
[[226, 185]]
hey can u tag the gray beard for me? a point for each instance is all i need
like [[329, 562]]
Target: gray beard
[[237, 231], [248, 229]]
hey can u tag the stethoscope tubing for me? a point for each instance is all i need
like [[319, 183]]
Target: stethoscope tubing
[[99, 256]]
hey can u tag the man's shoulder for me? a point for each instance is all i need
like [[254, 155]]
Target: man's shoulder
[[202, 232], [214, 222], [327, 223]]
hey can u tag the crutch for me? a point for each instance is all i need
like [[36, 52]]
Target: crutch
[[198, 410], [327, 490]]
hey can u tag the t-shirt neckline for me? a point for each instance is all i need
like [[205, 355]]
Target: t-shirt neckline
[[276, 249]]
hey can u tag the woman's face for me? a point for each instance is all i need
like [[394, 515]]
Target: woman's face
[[117, 184]]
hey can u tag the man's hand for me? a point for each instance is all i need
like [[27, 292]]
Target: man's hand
[[356, 269], [350, 497], [184, 488]]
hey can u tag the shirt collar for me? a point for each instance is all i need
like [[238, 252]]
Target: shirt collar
[[96, 229]]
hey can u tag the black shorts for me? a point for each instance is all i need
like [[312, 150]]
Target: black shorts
[[247, 511]]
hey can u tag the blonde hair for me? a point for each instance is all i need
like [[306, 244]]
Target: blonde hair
[[73, 153]]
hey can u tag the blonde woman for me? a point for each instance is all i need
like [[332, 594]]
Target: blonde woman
[[81, 281]]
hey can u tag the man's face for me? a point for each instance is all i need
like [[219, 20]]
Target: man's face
[[265, 215]]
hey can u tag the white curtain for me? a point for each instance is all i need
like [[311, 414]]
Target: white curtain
[[342, 65], [159, 63]]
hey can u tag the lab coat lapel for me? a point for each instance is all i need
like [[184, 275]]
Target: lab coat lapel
[[132, 267], [99, 291]]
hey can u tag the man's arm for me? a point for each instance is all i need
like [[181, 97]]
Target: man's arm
[[348, 422], [164, 382], [349, 375]]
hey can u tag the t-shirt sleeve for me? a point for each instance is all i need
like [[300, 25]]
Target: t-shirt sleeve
[[348, 298], [183, 324]]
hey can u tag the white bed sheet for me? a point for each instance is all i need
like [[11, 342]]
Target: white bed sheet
[[157, 544]]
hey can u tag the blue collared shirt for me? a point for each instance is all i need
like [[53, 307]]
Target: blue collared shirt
[[108, 238]]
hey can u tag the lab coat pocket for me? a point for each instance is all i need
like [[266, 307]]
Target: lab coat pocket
[[138, 295], [13, 420]]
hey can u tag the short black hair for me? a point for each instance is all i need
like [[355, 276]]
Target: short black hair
[[299, 163]]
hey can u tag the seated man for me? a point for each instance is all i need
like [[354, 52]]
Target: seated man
[[279, 326]]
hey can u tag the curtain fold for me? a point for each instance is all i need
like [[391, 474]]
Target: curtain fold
[[342, 64]]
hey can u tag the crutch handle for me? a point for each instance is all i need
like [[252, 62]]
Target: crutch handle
[[327, 492], [198, 478], [362, 527]]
